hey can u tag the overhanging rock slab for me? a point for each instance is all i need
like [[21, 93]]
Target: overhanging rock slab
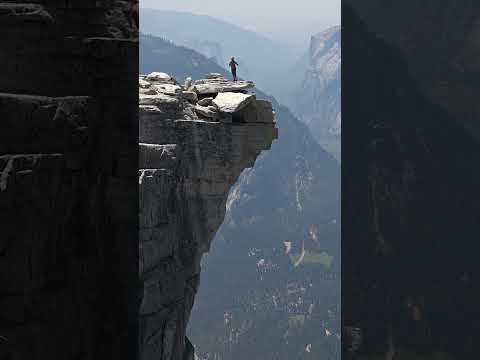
[[231, 102]]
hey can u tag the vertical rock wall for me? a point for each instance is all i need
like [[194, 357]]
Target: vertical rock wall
[[195, 143], [68, 172]]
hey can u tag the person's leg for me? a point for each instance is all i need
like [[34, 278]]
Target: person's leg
[[234, 71]]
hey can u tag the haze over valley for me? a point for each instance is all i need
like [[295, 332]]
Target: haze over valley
[[270, 286]]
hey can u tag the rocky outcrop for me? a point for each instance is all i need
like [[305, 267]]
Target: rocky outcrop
[[190, 156], [68, 180]]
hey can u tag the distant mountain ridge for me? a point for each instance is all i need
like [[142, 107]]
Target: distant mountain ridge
[[206, 24], [260, 58], [161, 53]]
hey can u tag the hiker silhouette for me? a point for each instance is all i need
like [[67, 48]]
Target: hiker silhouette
[[233, 66]]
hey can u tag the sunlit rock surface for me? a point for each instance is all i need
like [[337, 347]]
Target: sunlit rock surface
[[190, 156], [317, 100]]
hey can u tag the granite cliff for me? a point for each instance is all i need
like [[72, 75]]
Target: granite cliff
[[195, 140], [317, 100], [68, 179]]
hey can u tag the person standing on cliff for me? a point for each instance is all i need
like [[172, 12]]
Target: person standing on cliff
[[233, 66]]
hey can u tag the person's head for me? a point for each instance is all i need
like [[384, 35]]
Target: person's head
[[232, 58]]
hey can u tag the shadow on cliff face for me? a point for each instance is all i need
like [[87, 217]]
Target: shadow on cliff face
[[68, 183], [439, 41], [410, 223], [250, 288]]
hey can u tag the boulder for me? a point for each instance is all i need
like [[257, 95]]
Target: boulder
[[147, 91], [143, 83], [159, 99], [215, 86], [159, 77], [189, 112], [168, 89], [214, 76], [190, 96], [205, 101], [230, 102], [207, 111], [188, 83], [192, 88]]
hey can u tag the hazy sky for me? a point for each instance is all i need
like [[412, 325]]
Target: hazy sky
[[289, 20]]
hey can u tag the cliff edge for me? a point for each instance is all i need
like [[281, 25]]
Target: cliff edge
[[195, 140]]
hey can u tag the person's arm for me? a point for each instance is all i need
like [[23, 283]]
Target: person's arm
[[236, 63]]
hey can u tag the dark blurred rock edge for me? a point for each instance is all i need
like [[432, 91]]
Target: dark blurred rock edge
[[410, 179], [69, 284]]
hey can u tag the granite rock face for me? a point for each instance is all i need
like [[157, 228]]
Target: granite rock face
[[68, 180], [317, 100], [188, 163]]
